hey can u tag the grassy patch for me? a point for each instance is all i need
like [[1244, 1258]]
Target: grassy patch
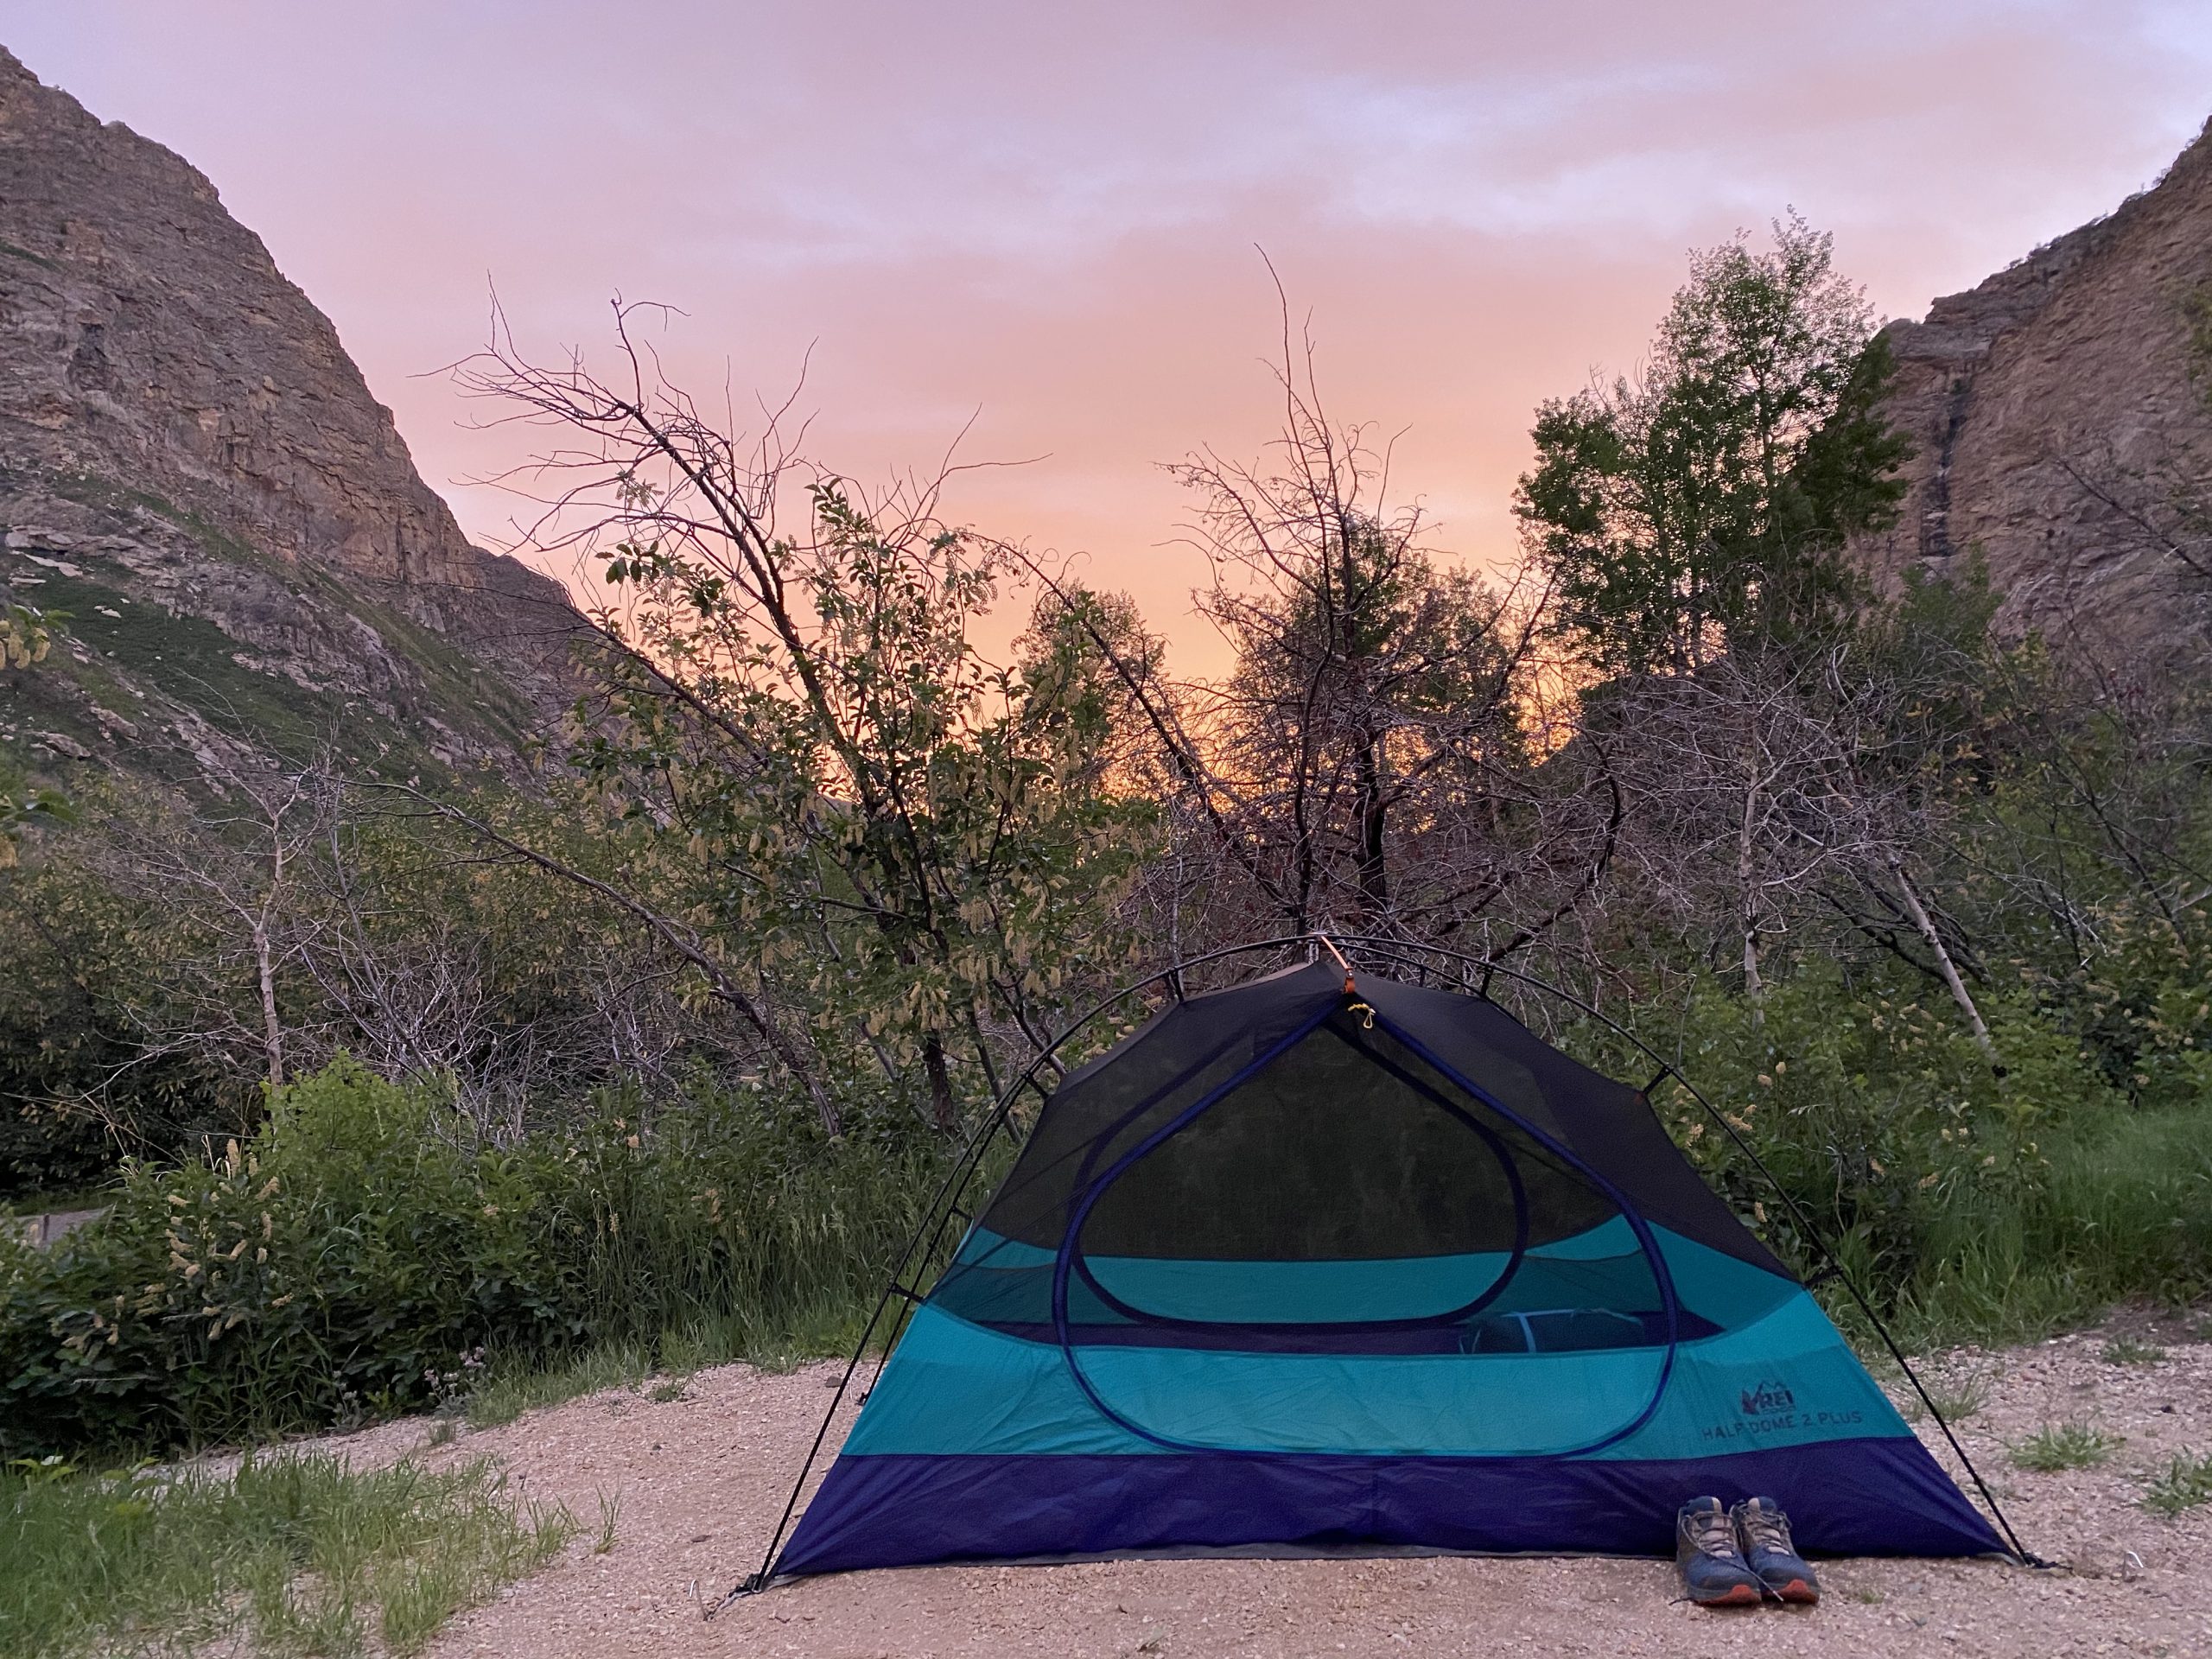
[[823, 1330], [1955, 1397], [196, 663], [513, 1388], [2128, 1350], [2055, 1446], [2123, 1208], [291, 1555], [2185, 1484]]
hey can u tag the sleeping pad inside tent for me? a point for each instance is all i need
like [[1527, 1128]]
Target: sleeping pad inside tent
[[1305, 1267]]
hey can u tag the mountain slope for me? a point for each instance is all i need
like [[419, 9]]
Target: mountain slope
[[194, 470], [2062, 417]]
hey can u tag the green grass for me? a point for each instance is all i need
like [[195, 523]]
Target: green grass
[[195, 662], [2124, 1211], [2185, 1484], [1955, 1397], [2127, 1351], [291, 1555], [2055, 1446], [520, 1386], [823, 1328]]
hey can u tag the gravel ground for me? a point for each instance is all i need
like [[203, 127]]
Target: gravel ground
[[699, 1480]]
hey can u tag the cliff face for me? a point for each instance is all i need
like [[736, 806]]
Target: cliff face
[[192, 468], [2062, 417]]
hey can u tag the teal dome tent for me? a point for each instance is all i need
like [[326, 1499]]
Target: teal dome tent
[[1325, 1260]]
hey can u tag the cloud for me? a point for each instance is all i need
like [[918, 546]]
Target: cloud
[[1049, 214]]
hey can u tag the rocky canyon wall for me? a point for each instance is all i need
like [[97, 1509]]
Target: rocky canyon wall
[[2061, 415]]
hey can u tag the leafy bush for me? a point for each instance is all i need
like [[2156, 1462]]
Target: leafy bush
[[358, 1256], [1970, 1205], [73, 957]]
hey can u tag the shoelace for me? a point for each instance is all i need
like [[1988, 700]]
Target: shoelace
[[1710, 1533], [1765, 1529]]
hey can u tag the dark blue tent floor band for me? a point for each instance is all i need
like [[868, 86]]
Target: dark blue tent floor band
[[897, 1511], [1299, 1267]]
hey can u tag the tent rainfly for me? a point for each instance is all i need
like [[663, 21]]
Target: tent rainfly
[[1312, 1265]]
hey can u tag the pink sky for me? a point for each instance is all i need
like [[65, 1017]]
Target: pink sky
[[1046, 216]]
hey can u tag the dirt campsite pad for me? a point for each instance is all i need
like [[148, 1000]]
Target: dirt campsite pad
[[696, 1481]]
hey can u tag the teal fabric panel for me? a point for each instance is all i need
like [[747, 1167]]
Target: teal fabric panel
[[1787, 1379], [983, 1247], [1613, 1237], [1308, 1291], [1003, 1280], [1372, 1404], [1730, 1292]]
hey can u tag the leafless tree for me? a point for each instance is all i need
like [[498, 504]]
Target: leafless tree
[[1372, 760], [1762, 785], [233, 874], [881, 829]]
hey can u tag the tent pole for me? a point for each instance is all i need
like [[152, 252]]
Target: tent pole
[[955, 1185], [1329, 945], [1806, 1230]]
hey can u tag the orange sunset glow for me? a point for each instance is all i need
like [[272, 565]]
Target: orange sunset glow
[[1048, 221]]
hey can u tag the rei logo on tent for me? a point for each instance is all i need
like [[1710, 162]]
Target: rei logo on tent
[[1767, 1399]]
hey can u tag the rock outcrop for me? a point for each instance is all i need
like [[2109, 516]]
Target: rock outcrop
[[194, 470], [2061, 419]]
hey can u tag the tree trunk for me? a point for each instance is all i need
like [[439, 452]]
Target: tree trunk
[[272, 1029], [1949, 969], [1747, 901], [941, 1109], [1374, 815]]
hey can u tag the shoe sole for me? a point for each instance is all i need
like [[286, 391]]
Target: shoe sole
[[1741, 1595], [1798, 1593]]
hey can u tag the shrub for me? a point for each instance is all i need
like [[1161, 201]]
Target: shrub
[[359, 1256], [1970, 1206]]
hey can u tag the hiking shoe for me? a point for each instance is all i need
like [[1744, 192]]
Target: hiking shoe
[[1763, 1533], [1715, 1572]]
